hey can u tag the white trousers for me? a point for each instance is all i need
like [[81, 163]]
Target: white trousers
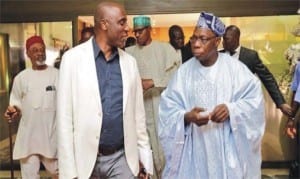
[[30, 166]]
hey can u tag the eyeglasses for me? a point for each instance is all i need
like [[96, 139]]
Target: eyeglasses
[[139, 31], [203, 40]]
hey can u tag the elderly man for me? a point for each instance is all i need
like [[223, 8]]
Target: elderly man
[[211, 116], [33, 97], [101, 117], [156, 61]]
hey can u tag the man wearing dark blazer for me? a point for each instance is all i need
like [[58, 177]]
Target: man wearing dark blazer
[[231, 45]]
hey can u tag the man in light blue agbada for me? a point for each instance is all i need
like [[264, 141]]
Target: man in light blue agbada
[[211, 115]]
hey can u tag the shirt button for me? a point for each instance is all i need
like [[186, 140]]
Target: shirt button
[[97, 137]]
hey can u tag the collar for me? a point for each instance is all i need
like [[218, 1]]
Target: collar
[[97, 50]]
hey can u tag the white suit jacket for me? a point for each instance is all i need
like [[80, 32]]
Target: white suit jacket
[[79, 113]]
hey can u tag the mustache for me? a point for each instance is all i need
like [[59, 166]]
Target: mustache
[[41, 58]]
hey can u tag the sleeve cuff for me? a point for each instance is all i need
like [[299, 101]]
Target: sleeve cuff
[[146, 159]]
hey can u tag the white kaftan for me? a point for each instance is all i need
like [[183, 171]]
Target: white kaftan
[[231, 149], [34, 92], [156, 61]]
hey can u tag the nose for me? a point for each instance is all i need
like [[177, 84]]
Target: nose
[[127, 28], [197, 43], [136, 34]]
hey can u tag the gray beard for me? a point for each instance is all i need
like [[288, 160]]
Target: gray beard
[[40, 63]]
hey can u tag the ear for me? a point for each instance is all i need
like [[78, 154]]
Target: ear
[[27, 53], [218, 41], [104, 24]]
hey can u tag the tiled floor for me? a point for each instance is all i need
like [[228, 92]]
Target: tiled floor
[[266, 174]]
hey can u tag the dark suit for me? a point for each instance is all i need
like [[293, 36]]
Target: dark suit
[[251, 59], [186, 52]]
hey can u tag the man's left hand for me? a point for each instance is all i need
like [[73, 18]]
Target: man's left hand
[[220, 113], [286, 109]]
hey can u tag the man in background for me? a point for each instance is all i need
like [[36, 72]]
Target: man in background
[[231, 44], [86, 34], [176, 39], [292, 126], [156, 61], [33, 98]]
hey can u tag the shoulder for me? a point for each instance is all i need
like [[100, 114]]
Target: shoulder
[[231, 62], [248, 51], [51, 68], [162, 44], [23, 76], [126, 56], [131, 48], [25, 72], [76, 49], [188, 66], [86, 47]]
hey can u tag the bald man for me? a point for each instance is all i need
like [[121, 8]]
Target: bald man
[[101, 118], [231, 44]]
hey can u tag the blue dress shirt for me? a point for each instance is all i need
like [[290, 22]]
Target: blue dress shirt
[[111, 91]]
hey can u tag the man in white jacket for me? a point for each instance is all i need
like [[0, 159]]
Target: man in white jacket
[[101, 118]]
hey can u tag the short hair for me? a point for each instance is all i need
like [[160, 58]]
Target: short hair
[[235, 29], [174, 28]]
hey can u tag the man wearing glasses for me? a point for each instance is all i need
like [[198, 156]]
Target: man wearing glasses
[[211, 115], [156, 61]]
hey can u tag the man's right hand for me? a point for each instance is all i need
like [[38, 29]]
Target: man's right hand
[[196, 116], [11, 113], [290, 128]]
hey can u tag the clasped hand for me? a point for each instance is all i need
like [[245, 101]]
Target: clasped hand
[[11, 113], [199, 115], [290, 129]]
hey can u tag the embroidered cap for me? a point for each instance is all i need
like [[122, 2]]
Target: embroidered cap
[[208, 20], [141, 21], [34, 39]]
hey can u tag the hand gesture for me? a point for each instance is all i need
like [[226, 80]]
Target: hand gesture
[[11, 113], [286, 109], [198, 116], [147, 84], [220, 113], [290, 128]]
